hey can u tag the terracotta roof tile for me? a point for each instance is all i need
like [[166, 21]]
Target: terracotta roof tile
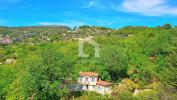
[[103, 83], [88, 74]]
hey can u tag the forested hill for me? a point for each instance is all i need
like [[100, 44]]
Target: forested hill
[[36, 61]]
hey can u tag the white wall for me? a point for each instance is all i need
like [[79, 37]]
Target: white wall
[[92, 87], [103, 90]]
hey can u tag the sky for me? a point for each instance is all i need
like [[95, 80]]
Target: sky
[[109, 13]]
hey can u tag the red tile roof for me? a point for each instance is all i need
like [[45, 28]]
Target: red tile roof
[[88, 74], [103, 83]]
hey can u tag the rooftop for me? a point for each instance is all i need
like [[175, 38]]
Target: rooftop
[[94, 74], [103, 83]]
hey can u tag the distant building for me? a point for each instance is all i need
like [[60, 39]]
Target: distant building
[[89, 81], [5, 40], [8, 61]]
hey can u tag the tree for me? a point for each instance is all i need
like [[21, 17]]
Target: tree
[[169, 73], [49, 74], [115, 62], [167, 26]]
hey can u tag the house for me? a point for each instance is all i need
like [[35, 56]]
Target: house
[[89, 81], [8, 61], [5, 40]]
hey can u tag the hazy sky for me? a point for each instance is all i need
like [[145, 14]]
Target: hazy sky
[[110, 13]]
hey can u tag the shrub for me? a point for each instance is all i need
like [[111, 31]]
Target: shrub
[[147, 95]]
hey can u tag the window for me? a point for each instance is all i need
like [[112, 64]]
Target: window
[[86, 79], [80, 79], [93, 79], [93, 86], [87, 87], [82, 87]]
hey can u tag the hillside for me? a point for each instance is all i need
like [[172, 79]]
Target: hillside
[[35, 60]]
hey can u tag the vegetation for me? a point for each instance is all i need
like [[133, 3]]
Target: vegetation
[[38, 61]]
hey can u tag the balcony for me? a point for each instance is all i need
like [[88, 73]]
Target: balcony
[[87, 82]]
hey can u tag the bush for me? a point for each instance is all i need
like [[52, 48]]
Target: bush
[[32, 48], [124, 95], [147, 95]]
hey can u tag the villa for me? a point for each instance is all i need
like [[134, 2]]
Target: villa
[[89, 81]]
